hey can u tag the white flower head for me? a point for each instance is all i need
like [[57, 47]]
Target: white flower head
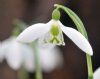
[[17, 54], [96, 74], [53, 33]]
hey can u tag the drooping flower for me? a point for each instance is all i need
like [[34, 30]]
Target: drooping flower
[[96, 74], [18, 55], [53, 33]]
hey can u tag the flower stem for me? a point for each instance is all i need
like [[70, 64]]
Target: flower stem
[[80, 26], [23, 74], [89, 65], [19, 26], [37, 61]]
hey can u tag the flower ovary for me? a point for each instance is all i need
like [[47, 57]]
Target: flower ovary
[[56, 14]]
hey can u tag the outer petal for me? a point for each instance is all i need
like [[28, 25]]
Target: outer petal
[[78, 39], [50, 59], [97, 74], [14, 55], [33, 32], [28, 60], [4, 47]]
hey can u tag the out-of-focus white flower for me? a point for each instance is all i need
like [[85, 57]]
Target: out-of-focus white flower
[[18, 54], [52, 32], [97, 74]]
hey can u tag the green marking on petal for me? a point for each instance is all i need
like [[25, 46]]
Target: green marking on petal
[[54, 40], [55, 30]]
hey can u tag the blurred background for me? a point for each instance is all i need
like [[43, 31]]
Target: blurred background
[[35, 11]]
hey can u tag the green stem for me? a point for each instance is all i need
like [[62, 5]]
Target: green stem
[[23, 74], [80, 26], [37, 61], [89, 65], [19, 26]]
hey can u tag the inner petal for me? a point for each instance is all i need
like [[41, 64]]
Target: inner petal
[[56, 34]]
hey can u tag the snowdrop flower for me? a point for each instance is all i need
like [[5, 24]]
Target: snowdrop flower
[[18, 55], [53, 33], [97, 74]]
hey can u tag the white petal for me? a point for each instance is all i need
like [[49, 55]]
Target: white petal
[[50, 59], [4, 47], [45, 45], [33, 32], [29, 63], [78, 39], [14, 55], [97, 74]]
